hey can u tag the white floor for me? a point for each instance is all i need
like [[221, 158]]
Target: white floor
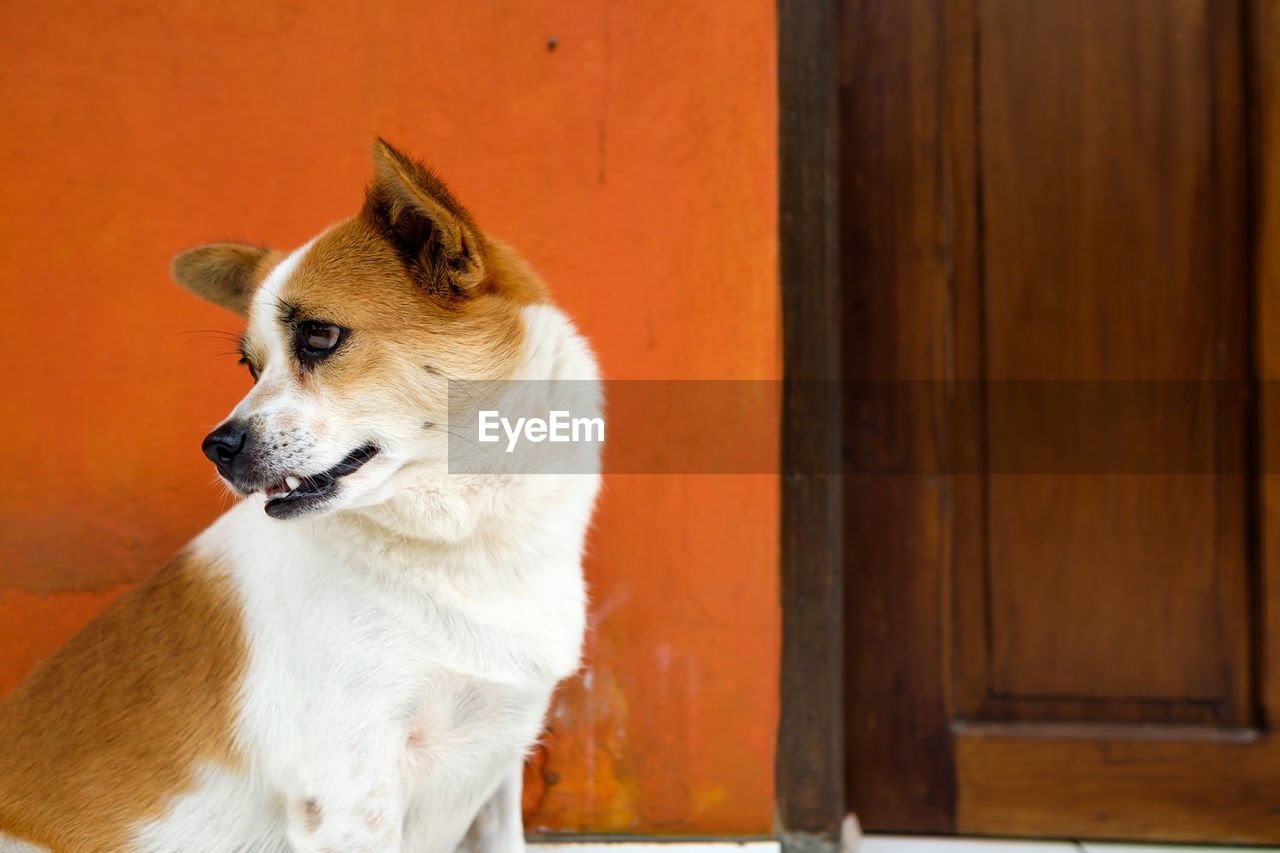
[[890, 844], [656, 847], [895, 844]]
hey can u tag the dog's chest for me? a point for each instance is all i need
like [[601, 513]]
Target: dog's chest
[[439, 672], [464, 727]]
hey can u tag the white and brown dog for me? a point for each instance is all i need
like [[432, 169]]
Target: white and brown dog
[[358, 655]]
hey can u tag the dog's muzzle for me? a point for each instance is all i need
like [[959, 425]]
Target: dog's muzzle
[[231, 447]]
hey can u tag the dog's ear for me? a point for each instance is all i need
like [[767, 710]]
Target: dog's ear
[[434, 235], [225, 274]]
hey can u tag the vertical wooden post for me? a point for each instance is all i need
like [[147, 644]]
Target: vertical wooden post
[[810, 762]]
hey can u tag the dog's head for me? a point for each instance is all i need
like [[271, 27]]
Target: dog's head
[[352, 339]]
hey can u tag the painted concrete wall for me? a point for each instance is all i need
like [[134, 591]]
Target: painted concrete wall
[[633, 164]]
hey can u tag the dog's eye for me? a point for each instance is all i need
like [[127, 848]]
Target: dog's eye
[[321, 337], [318, 340], [253, 371]]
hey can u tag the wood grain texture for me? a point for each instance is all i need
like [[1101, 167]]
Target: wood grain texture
[[1062, 192], [1177, 787], [1264, 51], [896, 333], [809, 779], [1110, 164], [1115, 214]]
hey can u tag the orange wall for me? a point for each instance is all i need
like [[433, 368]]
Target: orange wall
[[634, 165]]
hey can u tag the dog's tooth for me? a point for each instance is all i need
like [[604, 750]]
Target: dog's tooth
[[293, 482]]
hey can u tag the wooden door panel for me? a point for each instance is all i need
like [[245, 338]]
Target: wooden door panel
[[1105, 166], [1099, 161], [1104, 586], [1062, 581], [894, 320], [1152, 784]]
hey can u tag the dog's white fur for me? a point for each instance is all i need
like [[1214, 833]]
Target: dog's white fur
[[403, 644]]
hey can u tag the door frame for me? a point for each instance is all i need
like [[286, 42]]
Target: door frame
[[809, 771], [810, 781]]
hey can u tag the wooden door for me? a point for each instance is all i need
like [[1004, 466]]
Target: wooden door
[[1062, 313]]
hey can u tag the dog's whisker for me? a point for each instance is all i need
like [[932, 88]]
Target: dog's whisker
[[457, 435]]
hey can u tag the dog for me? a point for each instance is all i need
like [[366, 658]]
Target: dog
[[359, 654]]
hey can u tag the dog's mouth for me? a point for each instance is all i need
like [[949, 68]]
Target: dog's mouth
[[291, 496]]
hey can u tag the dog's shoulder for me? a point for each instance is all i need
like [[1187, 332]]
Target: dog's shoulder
[[106, 731]]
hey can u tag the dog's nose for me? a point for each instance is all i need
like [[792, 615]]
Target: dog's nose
[[224, 444]]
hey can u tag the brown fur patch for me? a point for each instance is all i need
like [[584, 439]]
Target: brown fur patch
[[105, 732], [432, 232], [311, 816], [354, 278], [226, 274]]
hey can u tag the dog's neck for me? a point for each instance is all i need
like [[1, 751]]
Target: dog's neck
[[508, 517]]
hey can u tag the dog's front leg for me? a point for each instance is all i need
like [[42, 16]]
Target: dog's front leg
[[357, 817], [499, 826]]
